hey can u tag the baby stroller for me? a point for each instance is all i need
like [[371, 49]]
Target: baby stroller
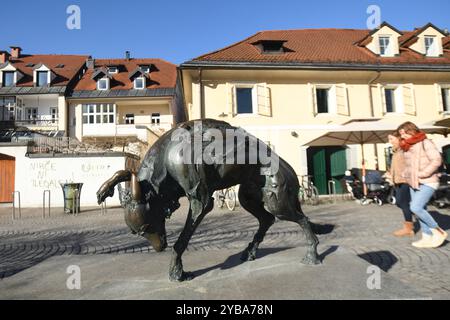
[[378, 189]]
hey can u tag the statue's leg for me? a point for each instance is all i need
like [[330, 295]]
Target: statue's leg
[[107, 188], [252, 204], [311, 257], [197, 211]]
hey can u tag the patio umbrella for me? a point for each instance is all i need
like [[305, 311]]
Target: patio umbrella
[[365, 132]]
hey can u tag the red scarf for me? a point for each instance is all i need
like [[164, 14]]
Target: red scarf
[[408, 143]]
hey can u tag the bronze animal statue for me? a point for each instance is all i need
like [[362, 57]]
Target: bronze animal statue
[[165, 176]]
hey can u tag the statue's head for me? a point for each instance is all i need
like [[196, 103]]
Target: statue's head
[[149, 222]]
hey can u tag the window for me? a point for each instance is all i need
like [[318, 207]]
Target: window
[[446, 99], [146, 69], [430, 46], [390, 100], [42, 78], [113, 69], [323, 96], [8, 78], [129, 118], [54, 115], [103, 84], [272, 47], [99, 113], [32, 115], [385, 43], [139, 83], [156, 118], [244, 100]]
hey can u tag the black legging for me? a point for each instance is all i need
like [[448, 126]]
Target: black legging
[[403, 199]]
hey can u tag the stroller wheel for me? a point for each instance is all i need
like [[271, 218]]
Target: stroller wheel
[[392, 200], [379, 202]]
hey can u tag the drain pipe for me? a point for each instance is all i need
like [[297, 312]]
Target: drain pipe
[[202, 93]]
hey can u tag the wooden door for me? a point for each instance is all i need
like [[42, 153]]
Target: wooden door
[[7, 177]]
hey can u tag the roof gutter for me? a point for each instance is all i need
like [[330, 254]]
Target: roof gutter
[[310, 66]]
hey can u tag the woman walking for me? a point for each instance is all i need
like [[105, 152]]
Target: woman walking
[[422, 160], [402, 193]]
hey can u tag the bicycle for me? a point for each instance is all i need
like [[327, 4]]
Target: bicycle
[[308, 194], [226, 197]]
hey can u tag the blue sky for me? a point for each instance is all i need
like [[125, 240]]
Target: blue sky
[[180, 30]]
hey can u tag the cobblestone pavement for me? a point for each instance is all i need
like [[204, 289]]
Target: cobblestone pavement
[[366, 231]]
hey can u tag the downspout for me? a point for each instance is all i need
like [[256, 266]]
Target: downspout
[[202, 94]]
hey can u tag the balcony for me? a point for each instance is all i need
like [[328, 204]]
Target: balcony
[[139, 130]]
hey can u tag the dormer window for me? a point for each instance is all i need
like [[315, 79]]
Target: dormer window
[[431, 46], [113, 69], [103, 84], [145, 68], [8, 78], [42, 78], [385, 46], [139, 83], [272, 46]]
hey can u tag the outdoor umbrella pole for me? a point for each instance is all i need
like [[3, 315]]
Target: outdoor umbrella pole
[[363, 171]]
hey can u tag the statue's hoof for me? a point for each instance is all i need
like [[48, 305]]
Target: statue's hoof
[[311, 261], [246, 256], [185, 276]]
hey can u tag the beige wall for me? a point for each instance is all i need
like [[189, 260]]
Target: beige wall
[[293, 107]]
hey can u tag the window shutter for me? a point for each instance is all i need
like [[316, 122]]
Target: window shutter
[[440, 102], [409, 102], [263, 100], [383, 98], [312, 98], [231, 93], [342, 100]]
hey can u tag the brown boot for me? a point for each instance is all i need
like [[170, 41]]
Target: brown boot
[[406, 231]]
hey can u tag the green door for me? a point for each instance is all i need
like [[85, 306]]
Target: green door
[[338, 166], [319, 170]]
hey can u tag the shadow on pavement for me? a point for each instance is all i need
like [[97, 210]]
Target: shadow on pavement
[[321, 229], [384, 260], [235, 260]]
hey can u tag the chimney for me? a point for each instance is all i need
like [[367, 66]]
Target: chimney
[[3, 56], [15, 52], [127, 55], [90, 63]]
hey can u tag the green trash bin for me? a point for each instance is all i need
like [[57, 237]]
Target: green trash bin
[[71, 193]]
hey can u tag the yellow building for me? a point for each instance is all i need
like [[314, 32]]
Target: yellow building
[[290, 87]]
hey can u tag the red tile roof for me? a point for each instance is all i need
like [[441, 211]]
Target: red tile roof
[[318, 46], [164, 76], [72, 65]]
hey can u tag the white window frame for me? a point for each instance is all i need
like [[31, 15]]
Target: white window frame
[[143, 83], [399, 107], [14, 77], [332, 103], [110, 70], [129, 120], [29, 113], [107, 84], [445, 87], [98, 112], [388, 50], [37, 78], [254, 99], [432, 51], [155, 120]]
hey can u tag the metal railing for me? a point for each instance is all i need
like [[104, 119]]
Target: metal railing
[[14, 205], [332, 190], [46, 192]]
